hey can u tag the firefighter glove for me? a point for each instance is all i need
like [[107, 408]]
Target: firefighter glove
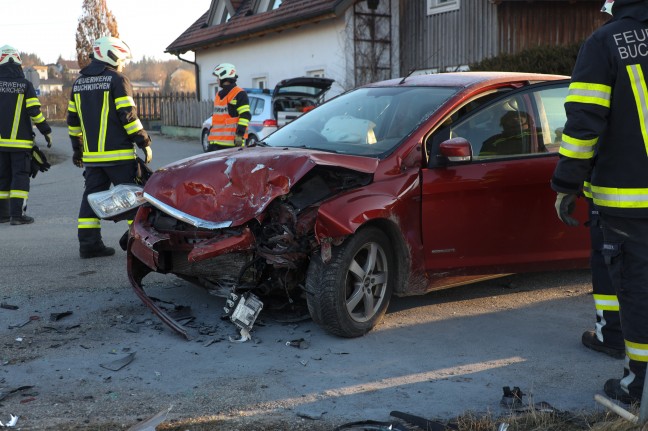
[[238, 141], [48, 139], [565, 204], [38, 162], [148, 152], [77, 158]]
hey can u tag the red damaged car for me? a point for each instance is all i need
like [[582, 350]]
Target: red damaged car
[[395, 188]]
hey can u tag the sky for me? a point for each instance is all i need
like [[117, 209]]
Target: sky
[[47, 28]]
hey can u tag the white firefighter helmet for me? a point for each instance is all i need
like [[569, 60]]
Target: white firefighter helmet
[[9, 53], [111, 50], [607, 6], [225, 71]]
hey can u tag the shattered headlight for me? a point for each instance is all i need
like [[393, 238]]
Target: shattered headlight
[[117, 200]]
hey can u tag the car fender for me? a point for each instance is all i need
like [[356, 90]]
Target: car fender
[[397, 205]]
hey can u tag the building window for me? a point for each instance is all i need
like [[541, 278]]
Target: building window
[[319, 73], [438, 6], [260, 82], [221, 14], [268, 5]]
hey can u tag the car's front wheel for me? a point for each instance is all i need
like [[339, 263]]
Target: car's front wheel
[[204, 141], [349, 295], [252, 141]]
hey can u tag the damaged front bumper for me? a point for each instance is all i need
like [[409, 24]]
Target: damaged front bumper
[[149, 251]]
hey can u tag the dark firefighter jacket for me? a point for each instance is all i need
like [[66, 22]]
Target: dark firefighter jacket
[[102, 119], [606, 133], [19, 107]]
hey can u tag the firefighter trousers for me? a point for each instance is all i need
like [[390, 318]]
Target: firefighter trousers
[[608, 322], [99, 179], [625, 250], [15, 167]]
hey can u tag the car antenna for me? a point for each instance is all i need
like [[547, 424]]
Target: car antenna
[[402, 81], [407, 76]]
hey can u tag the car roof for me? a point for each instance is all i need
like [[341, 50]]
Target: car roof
[[465, 79]]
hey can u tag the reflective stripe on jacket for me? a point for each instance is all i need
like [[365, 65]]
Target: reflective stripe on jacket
[[605, 138], [19, 108], [223, 129], [102, 119]]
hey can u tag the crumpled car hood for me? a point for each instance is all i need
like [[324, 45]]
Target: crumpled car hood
[[235, 185]]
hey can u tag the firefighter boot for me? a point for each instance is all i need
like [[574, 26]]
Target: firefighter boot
[[94, 249], [613, 389], [590, 341], [4, 210], [23, 219], [97, 250]]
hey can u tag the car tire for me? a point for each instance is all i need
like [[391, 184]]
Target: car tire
[[252, 140], [349, 295], [204, 141]]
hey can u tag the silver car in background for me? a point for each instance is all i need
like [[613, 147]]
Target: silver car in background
[[290, 99]]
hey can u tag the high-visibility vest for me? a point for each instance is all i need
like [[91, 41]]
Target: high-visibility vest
[[223, 128]]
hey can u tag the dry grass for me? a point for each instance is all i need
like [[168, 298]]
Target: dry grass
[[533, 420]]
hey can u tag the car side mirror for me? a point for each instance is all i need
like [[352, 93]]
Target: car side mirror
[[456, 150]]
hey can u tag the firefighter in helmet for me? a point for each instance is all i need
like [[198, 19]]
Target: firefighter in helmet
[[19, 108], [104, 130], [231, 114], [605, 145]]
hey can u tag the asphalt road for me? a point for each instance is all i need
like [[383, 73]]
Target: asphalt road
[[436, 356]]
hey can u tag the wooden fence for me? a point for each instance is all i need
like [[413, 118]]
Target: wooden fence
[[176, 109]]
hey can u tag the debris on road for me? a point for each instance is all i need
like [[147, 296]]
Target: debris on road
[[8, 306], [119, 363], [512, 398], [5, 394], [423, 423], [151, 423], [54, 317], [311, 415], [20, 325], [12, 422], [299, 343], [243, 309], [372, 426]]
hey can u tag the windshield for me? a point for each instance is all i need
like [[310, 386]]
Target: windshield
[[365, 122]]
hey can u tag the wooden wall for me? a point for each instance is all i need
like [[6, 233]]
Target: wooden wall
[[484, 28]]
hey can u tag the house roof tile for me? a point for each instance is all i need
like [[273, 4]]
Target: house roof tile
[[245, 24]]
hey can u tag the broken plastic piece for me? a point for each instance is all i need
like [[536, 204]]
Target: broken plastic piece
[[244, 311], [299, 343], [423, 423], [245, 336], [8, 306], [58, 316], [370, 425], [119, 363], [151, 423], [12, 422], [20, 325]]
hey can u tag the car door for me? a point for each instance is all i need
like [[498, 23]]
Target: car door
[[495, 213]]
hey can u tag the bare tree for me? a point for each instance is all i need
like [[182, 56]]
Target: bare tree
[[95, 21]]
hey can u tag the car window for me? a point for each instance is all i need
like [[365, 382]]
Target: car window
[[253, 103], [258, 107], [528, 122]]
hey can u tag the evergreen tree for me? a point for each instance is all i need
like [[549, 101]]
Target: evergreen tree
[[95, 21]]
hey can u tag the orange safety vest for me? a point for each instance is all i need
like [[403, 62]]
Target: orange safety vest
[[223, 128]]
